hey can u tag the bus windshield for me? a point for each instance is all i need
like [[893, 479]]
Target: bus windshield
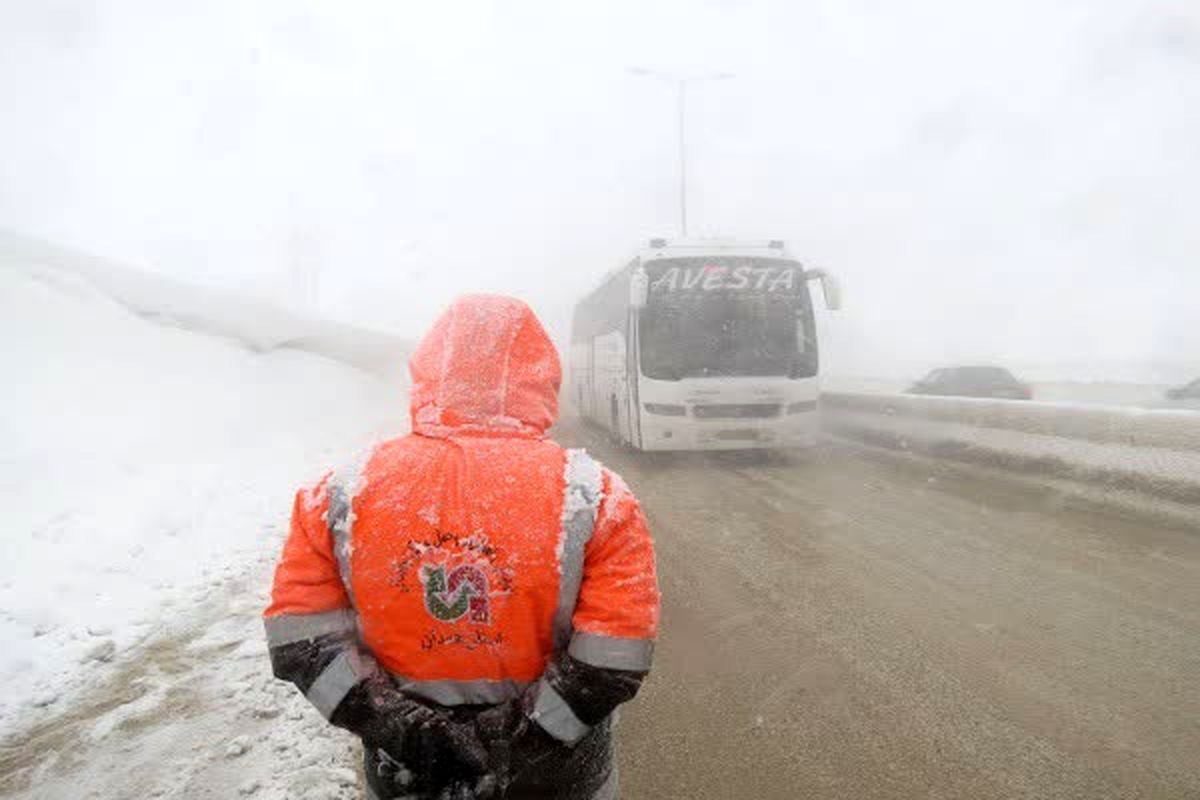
[[711, 317]]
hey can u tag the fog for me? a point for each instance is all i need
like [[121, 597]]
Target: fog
[[1009, 182], [941, 542]]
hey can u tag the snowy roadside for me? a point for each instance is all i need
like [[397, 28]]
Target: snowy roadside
[[147, 475], [192, 713]]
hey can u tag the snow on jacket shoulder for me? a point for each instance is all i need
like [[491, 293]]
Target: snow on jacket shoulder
[[473, 560]]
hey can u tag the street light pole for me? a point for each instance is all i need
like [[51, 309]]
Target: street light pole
[[682, 87], [680, 83]]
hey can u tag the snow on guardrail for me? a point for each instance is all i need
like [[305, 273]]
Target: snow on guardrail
[[258, 325], [1176, 429], [1155, 451]]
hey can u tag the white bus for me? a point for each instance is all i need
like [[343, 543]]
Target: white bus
[[701, 345]]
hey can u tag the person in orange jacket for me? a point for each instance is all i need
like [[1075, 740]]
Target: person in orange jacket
[[471, 599]]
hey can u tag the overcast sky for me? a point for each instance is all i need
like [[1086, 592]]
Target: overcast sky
[[1013, 181]]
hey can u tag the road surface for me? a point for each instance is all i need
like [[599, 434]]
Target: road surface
[[847, 624], [859, 624]]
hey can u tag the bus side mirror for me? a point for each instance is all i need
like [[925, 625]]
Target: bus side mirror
[[639, 289], [829, 287]]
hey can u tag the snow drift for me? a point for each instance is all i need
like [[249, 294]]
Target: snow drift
[[145, 463]]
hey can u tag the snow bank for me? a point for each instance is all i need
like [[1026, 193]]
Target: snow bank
[[1051, 390], [143, 463], [257, 325], [1154, 451]]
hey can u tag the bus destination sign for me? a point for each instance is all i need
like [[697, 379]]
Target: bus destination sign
[[711, 277]]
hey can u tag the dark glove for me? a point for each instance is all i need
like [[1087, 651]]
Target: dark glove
[[515, 743], [417, 746], [484, 788], [390, 778]]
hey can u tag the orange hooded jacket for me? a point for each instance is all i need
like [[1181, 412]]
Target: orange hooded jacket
[[465, 555]]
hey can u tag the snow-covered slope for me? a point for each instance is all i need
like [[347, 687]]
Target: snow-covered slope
[[257, 325], [142, 465]]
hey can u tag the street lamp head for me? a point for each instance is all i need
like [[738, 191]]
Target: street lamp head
[[638, 71]]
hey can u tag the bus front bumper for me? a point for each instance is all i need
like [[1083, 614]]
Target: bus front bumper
[[688, 433]]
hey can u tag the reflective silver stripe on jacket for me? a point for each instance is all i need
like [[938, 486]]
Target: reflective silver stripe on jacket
[[551, 711], [344, 485], [612, 652], [340, 522], [353, 663], [337, 679], [290, 628], [458, 693], [581, 503], [611, 789]]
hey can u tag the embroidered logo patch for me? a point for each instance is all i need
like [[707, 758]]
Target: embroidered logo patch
[[461, 591], [461, 579]]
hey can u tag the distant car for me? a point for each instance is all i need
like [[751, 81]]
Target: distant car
[[1186, 396], [1189, 391], [995, 382]]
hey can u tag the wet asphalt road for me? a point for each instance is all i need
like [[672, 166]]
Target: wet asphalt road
[[857, 624]]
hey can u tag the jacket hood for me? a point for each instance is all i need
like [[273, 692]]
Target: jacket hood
[[486, 368]]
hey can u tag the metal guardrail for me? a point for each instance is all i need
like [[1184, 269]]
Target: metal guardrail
[[1171, 429], [1121, 450]]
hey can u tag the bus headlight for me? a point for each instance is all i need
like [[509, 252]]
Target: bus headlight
[[665, 409]]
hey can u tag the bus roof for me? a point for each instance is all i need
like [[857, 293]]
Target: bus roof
[[679, 248]]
